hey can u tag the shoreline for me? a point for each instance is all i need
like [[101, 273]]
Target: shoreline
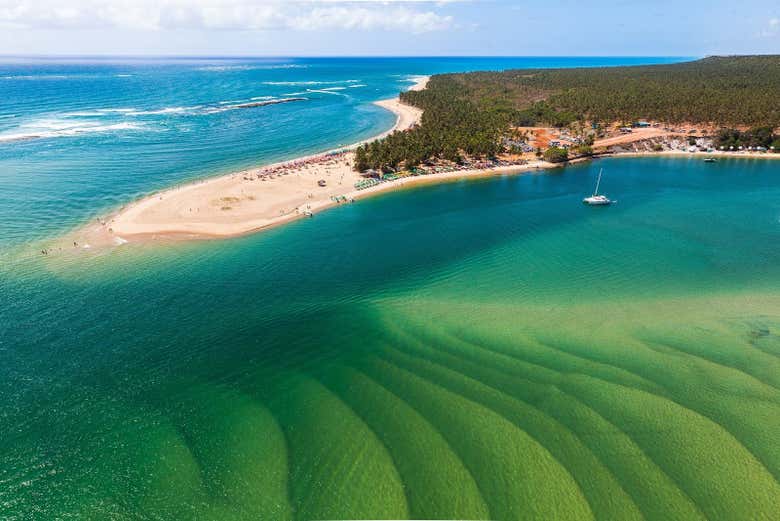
[[125, 224], [251, 200], [409, 182], [680, 153]]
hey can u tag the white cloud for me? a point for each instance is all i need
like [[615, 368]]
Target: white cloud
[[400, 18], [149, 15], [772, 30]]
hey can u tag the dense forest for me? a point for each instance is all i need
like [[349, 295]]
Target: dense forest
[[450, 126], [467, 113]]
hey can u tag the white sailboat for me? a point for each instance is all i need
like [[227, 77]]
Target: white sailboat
[[596, 199]]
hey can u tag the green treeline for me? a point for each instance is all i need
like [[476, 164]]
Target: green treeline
[[763, 137], [740, 90], [556, 155], [468, 113], [450, 126]]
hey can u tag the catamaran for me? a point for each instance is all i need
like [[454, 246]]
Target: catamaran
[[596, 199]]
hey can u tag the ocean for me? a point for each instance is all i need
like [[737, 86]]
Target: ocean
[[83, 136], [482, 349]]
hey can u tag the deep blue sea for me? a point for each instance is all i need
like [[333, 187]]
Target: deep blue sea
[[79, 136]]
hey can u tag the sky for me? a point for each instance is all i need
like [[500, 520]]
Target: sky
[[389, 27]]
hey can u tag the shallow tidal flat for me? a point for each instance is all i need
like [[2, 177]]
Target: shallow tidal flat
[[475, 350]]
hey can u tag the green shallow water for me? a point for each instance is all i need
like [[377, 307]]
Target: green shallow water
[[478, 350]]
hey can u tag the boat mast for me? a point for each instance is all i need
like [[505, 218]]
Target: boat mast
[[598, 182]]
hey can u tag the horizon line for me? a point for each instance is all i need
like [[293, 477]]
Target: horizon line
[[333, 56]]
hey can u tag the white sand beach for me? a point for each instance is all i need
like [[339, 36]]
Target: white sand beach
[[246, 201], [251, 200]]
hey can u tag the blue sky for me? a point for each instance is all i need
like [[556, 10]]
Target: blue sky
[[390, 27]]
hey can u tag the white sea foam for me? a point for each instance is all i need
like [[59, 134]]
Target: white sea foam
[[216, 110], [114, 112], [285, 66], [52, 128], [94, 113], [307, 83], [56, 124], [163, 111], [115, 119], [292, 83], [36, 77], [326, 91], [224, 68], [247, 105], [221, 68]]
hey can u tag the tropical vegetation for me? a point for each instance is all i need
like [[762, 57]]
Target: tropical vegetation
[[763, 137], [468, 113], [556, 155]]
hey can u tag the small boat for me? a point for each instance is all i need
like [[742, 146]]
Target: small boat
[[710, 160], [596, 199]]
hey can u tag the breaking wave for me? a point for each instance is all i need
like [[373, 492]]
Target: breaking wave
[[224, 68], [45, 129], [251, 104], [307, 83], [93, 121]]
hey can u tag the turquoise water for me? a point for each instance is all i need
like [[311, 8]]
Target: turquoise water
[[78, 137], [296, 372], [487, 349]]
